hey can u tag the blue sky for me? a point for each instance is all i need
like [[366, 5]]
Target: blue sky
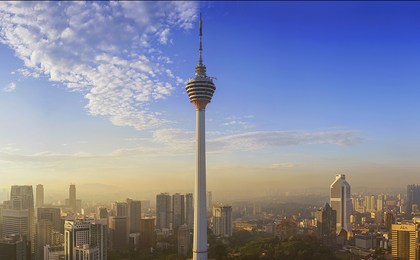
[[305, 90]]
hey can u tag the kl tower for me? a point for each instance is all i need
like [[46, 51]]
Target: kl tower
[[200, 91]]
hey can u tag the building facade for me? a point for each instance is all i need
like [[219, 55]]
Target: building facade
[[405, 241]]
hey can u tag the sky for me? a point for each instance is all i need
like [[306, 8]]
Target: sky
[[93, 93]]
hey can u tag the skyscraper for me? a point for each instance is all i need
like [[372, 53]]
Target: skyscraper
[[200, 91], [20, 217], [163, 211], [184, 240], [84, 233], [147, 233], [72, 197], [134, 215], [326, 224], [404, 241], [340, 200], [39, 195], [178, 210], [222, 221], [14, 247], [209, 202], [413, 197], [189, 210]]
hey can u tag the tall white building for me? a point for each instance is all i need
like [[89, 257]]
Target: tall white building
[[340, 200], [200, 90], [222, 221]]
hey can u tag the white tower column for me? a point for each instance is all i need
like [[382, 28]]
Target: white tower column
[[200, 218], [200, 90]]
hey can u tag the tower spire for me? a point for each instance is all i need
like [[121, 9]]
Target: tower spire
[[200, 69], [200, 60]]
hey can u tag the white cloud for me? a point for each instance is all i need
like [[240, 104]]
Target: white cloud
[[102, 49], [10, 87]]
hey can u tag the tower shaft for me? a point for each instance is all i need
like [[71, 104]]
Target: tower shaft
[[200, 218]]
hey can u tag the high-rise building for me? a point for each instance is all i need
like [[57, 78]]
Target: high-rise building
[[102, 213], [118, 227], [184, 240], [200, 90], [53, 215], [86, 252], [147, 233], [340, 200], [39, 195], [19, 217], [16, 222], [222, 221], [178, 210], [14, 247], [389, 219], [189, 210], [413, 197], [43, 237], [84, 232], [326, 219], [163, 211], [120, 209], [134, 215], [380, 203], [404, 241], [145, 208], [72, 198], [209, 201]]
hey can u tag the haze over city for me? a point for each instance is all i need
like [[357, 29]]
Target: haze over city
[[94, 94]]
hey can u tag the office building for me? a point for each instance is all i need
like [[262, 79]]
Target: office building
[[163, 211], [120, 209], [53, 215], [82, 232], [413, 197], [189, 210], [72, 198], [14, 247], [86, 252], [134, 215], [184, 240], [39, 195], [209, 202], [118, 227], [178, 210], [326, 219], [147, 233], [43, 237], [340, 201], [222, 221], [405, 241]]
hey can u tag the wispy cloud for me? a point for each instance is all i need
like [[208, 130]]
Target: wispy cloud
[[266, 139], [107, 50], [175, 142], [10, 87]]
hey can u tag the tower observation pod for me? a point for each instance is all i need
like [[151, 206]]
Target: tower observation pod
[[200, 90]]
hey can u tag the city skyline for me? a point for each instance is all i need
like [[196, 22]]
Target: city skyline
[[99, 98]]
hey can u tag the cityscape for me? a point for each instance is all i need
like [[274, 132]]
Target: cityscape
[[209, 130]]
